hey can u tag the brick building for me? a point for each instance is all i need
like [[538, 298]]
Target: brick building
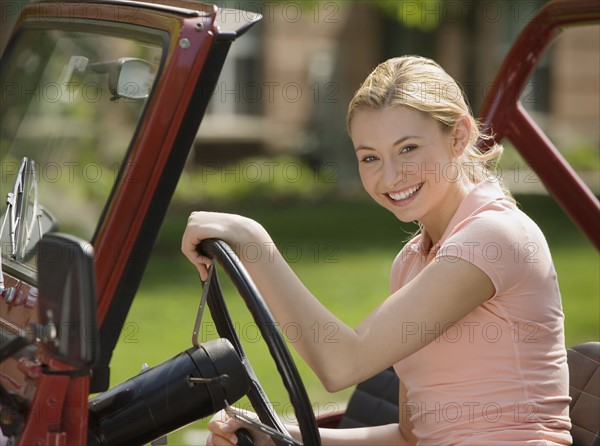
[[287, 83]]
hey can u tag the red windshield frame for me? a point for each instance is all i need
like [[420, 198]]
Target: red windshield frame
[[504, 116]]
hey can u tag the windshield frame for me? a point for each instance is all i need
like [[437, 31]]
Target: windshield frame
[[139, 33], [199, 40]]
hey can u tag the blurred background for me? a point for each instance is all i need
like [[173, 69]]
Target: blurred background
[[273, 146], [286, 84]]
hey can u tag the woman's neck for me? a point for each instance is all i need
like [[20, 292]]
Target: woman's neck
[[436, 224]]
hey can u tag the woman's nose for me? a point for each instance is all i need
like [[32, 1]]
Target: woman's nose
[[393, 173], [396, 172]]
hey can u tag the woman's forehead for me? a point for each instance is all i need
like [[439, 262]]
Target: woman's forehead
[[392, 119]]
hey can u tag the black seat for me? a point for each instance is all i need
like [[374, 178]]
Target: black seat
[[375, 401], [584, 388]]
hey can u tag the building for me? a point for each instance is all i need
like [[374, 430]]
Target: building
[[286, 85]]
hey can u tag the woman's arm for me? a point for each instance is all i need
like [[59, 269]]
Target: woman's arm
[[388, 434], [440, 295], [223, 430]]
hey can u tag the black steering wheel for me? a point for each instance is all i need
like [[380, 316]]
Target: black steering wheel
[[221, 252]]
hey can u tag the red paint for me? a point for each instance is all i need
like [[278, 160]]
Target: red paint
[[507, 118]]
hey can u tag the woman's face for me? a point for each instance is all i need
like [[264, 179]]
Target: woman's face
[[408, 162]]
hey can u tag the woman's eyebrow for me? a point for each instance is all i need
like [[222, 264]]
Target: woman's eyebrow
[[398, 142], [404, 138], [363, 148]]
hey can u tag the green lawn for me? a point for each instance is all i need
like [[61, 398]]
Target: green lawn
[[343, 252]]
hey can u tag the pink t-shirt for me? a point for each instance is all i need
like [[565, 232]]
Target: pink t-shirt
[[499, 375]]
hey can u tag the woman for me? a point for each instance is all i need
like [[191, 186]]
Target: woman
[[474, 324]]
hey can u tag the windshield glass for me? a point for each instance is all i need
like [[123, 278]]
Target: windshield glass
[[71, 102]]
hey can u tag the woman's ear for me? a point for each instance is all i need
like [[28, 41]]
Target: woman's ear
[[461, 136]]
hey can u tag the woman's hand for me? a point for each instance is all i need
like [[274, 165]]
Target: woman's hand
[[236, 230], [223, 431]]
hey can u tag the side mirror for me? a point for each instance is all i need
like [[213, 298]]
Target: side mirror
[[67, 300], [128, 77], [134, 80]]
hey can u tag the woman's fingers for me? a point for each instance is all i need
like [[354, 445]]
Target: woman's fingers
[[235, 230], [219, 436], [196, 230], [192, 236], [223, 430], [202, 264], [217, 440]]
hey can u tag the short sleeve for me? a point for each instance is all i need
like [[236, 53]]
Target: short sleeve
[[505, 246]]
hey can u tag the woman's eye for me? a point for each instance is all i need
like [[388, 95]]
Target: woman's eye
[[407, 149], [369, 159]]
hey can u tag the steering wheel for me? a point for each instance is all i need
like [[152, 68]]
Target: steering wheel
[[221, 252]]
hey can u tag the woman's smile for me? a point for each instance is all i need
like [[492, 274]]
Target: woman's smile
[[404, 196]]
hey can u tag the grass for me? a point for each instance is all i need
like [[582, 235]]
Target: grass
[[343, 252]]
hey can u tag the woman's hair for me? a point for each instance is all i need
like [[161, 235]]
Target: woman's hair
[[421, 84]]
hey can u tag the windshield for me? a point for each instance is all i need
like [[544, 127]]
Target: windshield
[[71, 102]]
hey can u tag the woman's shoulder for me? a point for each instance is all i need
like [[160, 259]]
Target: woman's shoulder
[[500, 221], [500, 239]]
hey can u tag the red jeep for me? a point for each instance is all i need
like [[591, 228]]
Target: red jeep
[[69, 73]]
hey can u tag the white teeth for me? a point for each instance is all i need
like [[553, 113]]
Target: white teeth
[[404, 195]]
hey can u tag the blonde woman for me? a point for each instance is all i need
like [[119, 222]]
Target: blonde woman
[[474, 323]]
